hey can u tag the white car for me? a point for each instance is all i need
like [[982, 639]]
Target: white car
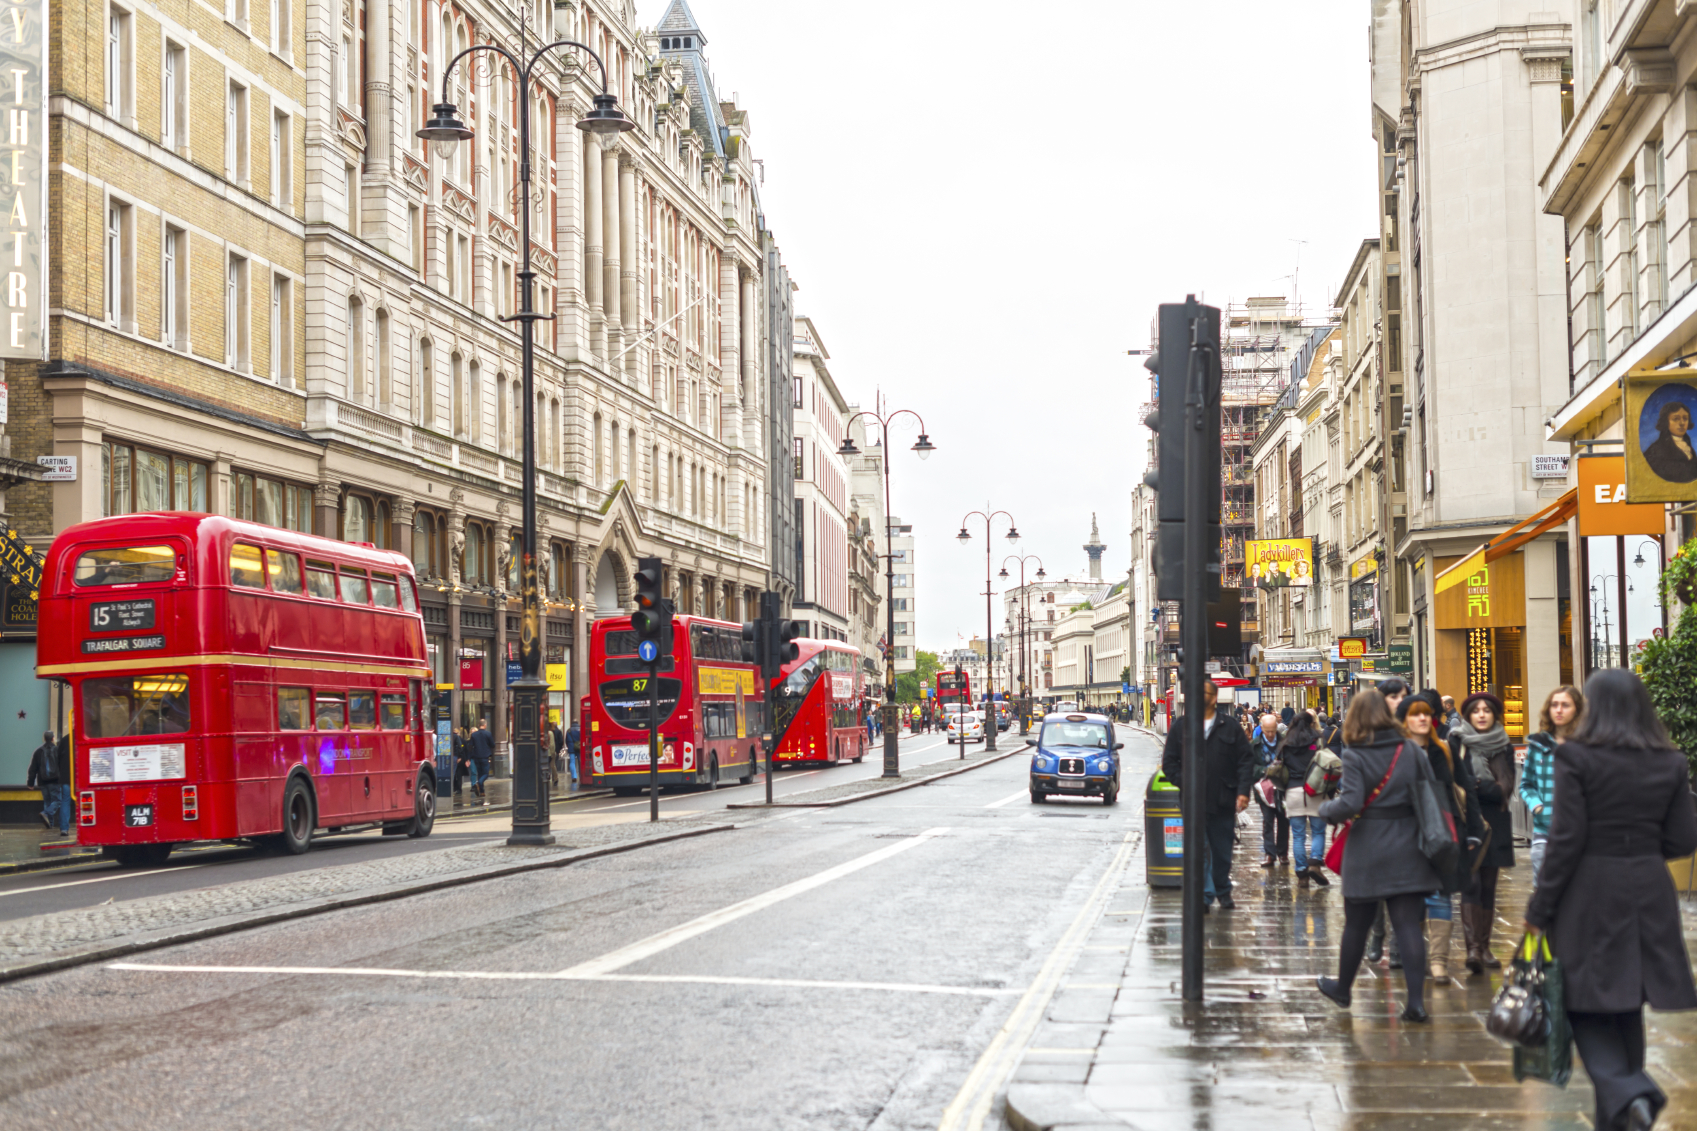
[[967, 727]]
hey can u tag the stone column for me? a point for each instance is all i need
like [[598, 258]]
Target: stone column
[[326, 501], [580, 635], [400, 535], [223, 488], [610, 272], [629, 261], [593, 248]]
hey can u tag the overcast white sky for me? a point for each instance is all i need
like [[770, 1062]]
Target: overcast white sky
[[984, 203]]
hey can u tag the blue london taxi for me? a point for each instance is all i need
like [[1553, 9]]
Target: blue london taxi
[[1075, 755]]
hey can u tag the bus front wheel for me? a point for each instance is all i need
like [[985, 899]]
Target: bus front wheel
[[423, 805], [299, 819], [713, 773]]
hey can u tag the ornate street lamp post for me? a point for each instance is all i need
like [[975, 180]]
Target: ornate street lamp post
[[530, 690], [990, 727], [892, 728], [1024, 634]]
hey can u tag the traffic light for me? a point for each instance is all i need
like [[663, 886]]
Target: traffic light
[[754, 643], [1188, 334], [782, 648], [652, 620]]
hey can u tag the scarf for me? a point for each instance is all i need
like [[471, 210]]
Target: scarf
[[1482, 746]]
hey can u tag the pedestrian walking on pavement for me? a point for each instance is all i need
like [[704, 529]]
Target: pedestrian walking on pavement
[[1419, 717], [1451, 715], [482, 753], [1382, 860], [49, 773], [1491, 759], [1301, 745], [574, 736], [1228, 768], [1605, 896], [1562, 710], [462, 758], [557, 746], [1275, 826]]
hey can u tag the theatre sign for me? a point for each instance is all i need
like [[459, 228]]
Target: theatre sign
[[23, 179]]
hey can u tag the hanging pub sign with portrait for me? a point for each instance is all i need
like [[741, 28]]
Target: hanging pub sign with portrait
[[1661, 445]]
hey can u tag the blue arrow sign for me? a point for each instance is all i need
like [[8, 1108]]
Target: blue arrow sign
[[648, 651]]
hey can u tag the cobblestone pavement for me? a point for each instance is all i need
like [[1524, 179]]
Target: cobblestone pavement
[[1117, 1046], [26, 942]]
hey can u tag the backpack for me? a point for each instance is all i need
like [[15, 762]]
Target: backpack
[[1324, 774]]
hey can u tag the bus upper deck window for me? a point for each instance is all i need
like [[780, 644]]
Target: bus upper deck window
[[285, 571], [383, 593], [356, 590], [126, 565], [246, 567], [321, 580]]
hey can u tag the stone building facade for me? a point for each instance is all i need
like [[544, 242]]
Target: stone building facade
[[271, 300]]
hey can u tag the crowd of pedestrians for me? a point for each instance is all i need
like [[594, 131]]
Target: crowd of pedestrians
[[1609, 799]]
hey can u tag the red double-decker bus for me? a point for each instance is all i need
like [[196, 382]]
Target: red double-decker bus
[[233, 681], [816, 705], [954, 692], [711, 713]]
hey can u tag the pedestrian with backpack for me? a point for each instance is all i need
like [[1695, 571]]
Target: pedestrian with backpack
[[1296, 759], [49, 773]]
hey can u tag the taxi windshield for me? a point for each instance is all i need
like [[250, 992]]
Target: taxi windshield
[[1075, 734]]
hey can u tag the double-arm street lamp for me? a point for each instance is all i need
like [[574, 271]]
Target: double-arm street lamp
[[530, 690], [892, 728], [1024, 634], [964, 536]]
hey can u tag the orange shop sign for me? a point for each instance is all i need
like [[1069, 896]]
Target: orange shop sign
[[1603, 508]]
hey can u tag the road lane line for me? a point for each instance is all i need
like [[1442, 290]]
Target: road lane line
[[1008, 800], [665, 940], [537, 976], [102, 879], [971, 1106]]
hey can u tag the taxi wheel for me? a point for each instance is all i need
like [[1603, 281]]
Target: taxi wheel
[[1112, 795], [1038, 797]]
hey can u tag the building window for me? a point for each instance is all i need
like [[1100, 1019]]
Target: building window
[[1595, 330], [120, 66], [356, 350], [800, 448], [282, 28], [1656, 231], [1628, 260], [426, 390], [350, 177], [456, 370], [237, 352], [282, 331], [174, 284], [236, 13], [415, 238], [385, 386], [120, 266], [173, 97], [282, 163], [274, 502], [135, 479], [474, 402], [235, 134], [474, 568], [356, 519]]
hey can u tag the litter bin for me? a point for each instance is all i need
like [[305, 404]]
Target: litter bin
[[1163, 833]]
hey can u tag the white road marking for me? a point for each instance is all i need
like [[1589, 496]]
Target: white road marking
[[971, 1106], [561, 976], [1008, 800], [672, 936], [102, 879]]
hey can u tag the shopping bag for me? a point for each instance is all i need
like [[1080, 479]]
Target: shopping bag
[[1552, 1060]]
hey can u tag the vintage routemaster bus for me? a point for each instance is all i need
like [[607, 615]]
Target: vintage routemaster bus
[[954, 692], [711, 713], [816, 705], [234, 681]]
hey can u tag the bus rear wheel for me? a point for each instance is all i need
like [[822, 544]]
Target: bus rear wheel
[[299, 818], [138, 855], [713, 772]]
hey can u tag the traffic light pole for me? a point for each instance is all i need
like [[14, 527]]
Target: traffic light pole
[[654, 741], [1195, 640]]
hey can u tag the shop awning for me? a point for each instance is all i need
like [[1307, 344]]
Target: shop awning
[[1509, 540]]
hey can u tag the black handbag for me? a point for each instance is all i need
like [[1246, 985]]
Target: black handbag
[[1530, 1013], [1438, 836]]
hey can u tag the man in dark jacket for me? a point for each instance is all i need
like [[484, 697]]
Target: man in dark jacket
[[48, 772], [1228, 774], [482, 752], [573, 737]]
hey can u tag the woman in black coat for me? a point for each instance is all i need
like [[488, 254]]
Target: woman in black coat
[[1479, 739], [1382, 860], [1604, 894]]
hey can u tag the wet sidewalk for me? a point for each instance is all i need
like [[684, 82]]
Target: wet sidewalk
[[1265, 1052]]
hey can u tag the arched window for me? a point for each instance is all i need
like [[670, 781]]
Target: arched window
[[595, 466], [356, 350], [503, 426], [380, 532], [426, 400], [557, 572], [613, 449], [471, 567], [475, 404], [630, 456], [385, 389], [423, 543], [356, 519], [515, 548]]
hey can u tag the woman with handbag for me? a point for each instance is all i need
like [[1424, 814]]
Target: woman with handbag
[[1605, 895], [1491, 759], [1383, 859], [1297, 751], [1420, 716]]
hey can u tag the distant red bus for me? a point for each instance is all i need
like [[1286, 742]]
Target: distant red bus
[[236, 681], [710, 708], [816, 705], [954, 692]]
